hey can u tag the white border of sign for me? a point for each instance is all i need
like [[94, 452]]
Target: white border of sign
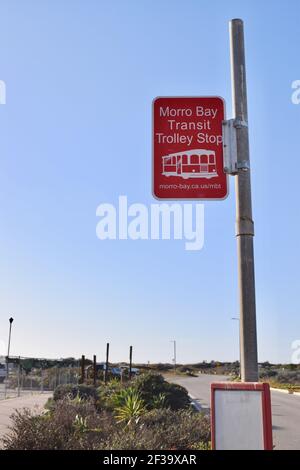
[[264, 418]]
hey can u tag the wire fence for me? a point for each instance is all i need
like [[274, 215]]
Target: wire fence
[[25, 375], [18, 382]]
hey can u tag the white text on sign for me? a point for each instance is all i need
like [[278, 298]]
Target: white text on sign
[[206, 115]]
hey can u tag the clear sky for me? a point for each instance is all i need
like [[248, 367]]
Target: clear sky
[[76, 131]]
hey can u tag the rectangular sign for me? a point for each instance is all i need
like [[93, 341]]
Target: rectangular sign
[[241, 416], [187, 148]]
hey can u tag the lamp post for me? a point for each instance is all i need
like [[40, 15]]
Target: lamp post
[[8, 347]]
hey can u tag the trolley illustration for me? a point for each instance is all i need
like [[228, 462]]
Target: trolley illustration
[[197, 163]]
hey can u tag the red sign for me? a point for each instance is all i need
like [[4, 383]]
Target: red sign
[[187, 148]]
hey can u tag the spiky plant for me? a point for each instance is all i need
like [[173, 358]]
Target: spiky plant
[[130, 406]]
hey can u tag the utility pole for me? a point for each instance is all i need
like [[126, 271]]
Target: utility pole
[[244, 221], [174, 358], [106, 363], [130, 362]]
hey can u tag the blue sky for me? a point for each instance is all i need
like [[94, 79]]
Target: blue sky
[[76, 132]]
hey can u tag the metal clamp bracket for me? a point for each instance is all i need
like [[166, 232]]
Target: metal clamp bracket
[[231, 165], [244, 165], [238, 124], [229, 146]]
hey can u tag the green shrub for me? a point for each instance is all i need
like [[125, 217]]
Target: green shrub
[[150, 386], [164, 430], [70, 425], [153, 390], [187, 371], [181, 429], [291, 377], [76, 424], [82, 391], [159, 401], [107, 394], [50, 404], [177, 397], [129, 406]]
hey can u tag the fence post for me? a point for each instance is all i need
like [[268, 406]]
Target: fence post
[[42, 381], [19, 371], [95, 370], [82, 368], [130, 362], [106, 363]]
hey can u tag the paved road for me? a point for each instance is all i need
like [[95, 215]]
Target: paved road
[[13, 392], [285, 409], [7, 407]]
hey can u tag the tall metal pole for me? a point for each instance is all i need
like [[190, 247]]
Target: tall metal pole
[[174, 359], [244, 221]]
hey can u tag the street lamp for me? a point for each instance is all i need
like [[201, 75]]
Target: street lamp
[[8, 348], [9, 335], [174, 343]]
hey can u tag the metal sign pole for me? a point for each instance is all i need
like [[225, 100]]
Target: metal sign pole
[[244, 222]]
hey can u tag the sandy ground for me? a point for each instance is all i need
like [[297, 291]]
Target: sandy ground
[[8, 406]]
